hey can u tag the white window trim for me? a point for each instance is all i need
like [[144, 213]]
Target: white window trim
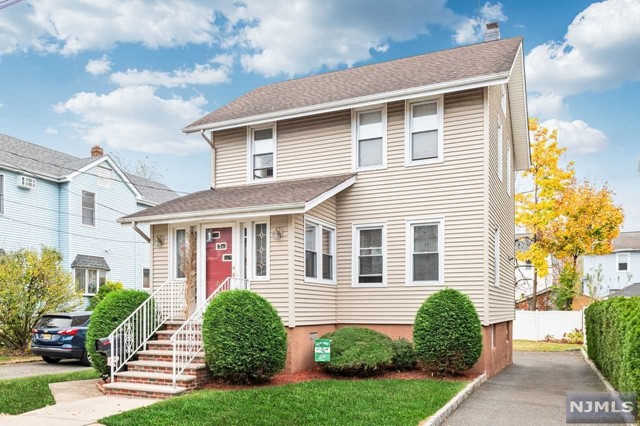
[[496, 257], [3, 194], [628, 254], [319, 224], [250, 130], [354, 138], [408, 161], [142, 280], [172, 250], [509, 169], [503, 99], [86, 279], [355, 255], [500, 141], [410, 223], [95, 209], [251, 235]]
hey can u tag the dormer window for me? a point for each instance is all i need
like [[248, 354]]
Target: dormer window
[[262, 146]]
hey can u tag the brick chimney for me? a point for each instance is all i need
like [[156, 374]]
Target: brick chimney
[[96, 151]]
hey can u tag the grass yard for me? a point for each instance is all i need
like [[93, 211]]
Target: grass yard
[[533, 346], [342, 402], [30, 393]]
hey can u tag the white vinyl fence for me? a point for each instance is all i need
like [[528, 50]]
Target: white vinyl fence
[[536, 325]]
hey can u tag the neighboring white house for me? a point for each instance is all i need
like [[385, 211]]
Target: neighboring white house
[[524, 271], [613, 271]]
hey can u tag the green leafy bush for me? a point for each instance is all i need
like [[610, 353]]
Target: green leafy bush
[[613, 340], [110, 312], [359, 352], [105, 289], [575, 337], [244, 338], [404, 355], [447, 333]]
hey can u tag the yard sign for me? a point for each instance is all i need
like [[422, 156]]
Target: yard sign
[[322, 350]]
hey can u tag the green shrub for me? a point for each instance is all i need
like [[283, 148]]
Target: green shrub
[[613, 340], [244, 338], [404, 355], [575, 337], [110, 312], [359, 352], [447, 333], [105, 289]]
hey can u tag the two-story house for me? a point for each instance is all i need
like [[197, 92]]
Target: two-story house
[[348, 198], [49, 198]]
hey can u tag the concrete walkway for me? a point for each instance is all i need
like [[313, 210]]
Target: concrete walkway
[[28, 369], [530, 392]]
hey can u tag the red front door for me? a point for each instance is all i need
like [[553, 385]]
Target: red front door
[[219, 257]]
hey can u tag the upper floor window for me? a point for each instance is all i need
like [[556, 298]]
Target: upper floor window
[[104, 176], [500, 149], [369, 255], [503, 98], [262, 150], [425, 251], [424, 139], [509, 172], [370, 138], [320, 249], [1, 194], [622, 261], [496, 257], [88, 208]]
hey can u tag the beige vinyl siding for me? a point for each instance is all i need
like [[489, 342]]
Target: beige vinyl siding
[[501, 214], [276, 289], [452, 189], [230, 164], [159, 256], [518, 108], [315, 303]]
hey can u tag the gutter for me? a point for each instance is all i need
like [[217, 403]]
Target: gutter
[[140, 232]]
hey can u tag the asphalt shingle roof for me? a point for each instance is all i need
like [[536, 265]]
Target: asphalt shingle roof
[[432, 68], [39, 160], [261, 196], [627, 241], [90, 262]]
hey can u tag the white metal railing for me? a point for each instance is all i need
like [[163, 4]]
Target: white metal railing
[[187, 340], [166, 303]]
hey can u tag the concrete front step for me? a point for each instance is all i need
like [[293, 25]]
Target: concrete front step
[[162, 366], [143, 390], [167, 355]]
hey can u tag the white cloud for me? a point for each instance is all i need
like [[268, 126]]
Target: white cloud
[[577, 136], [600, 51], [72, 26], [547, 105], [98, 66], [471, 30], [200, 74], [51, 131], [135, 118]]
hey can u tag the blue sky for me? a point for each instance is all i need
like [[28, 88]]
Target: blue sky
[[129, 75]]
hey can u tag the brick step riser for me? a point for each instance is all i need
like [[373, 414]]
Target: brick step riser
[[177, 326], [189, 384], [199, 359], [166, 370], [167, 337]]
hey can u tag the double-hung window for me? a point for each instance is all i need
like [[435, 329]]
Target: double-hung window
[[370, 138], [509, 172], [424, 132], [500, 149], [89, 281], [425, 251], [319, 252], [369, 255], [262, 148], [496, 257], [146, 278], [88, 208], [622, 261]]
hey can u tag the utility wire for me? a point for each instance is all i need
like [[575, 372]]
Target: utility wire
[[6, 3], [57, 211]]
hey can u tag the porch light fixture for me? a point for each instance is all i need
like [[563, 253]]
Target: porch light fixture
[[276, 234], [158, 241]]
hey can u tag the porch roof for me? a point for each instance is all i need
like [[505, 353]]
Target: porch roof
[[281, 197]]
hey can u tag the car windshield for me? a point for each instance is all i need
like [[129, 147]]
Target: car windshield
[[49, 321]]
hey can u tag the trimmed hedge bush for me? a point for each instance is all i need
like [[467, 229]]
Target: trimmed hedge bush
[[447, 333], [613, 340], [105, 289], [404, 355], [110, 312], [359, 352], [244, 338]]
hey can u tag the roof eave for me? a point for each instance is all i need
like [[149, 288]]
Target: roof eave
[[414, 92]]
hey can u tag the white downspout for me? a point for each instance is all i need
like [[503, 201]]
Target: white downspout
[[213, 157]]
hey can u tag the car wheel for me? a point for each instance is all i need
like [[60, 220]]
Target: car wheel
[[85, 360], [50, 360]]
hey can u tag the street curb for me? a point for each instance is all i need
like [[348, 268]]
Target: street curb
[[603, 379], [441, 415], [19, 361]]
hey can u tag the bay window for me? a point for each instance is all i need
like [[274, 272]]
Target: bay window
[[319, 252], [369, 255], [89, 281]]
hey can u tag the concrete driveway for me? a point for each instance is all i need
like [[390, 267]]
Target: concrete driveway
[[530, 392], [12, 371]]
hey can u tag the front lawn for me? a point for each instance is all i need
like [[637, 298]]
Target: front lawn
[[534, 346], [343, 402], [30, 393]]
